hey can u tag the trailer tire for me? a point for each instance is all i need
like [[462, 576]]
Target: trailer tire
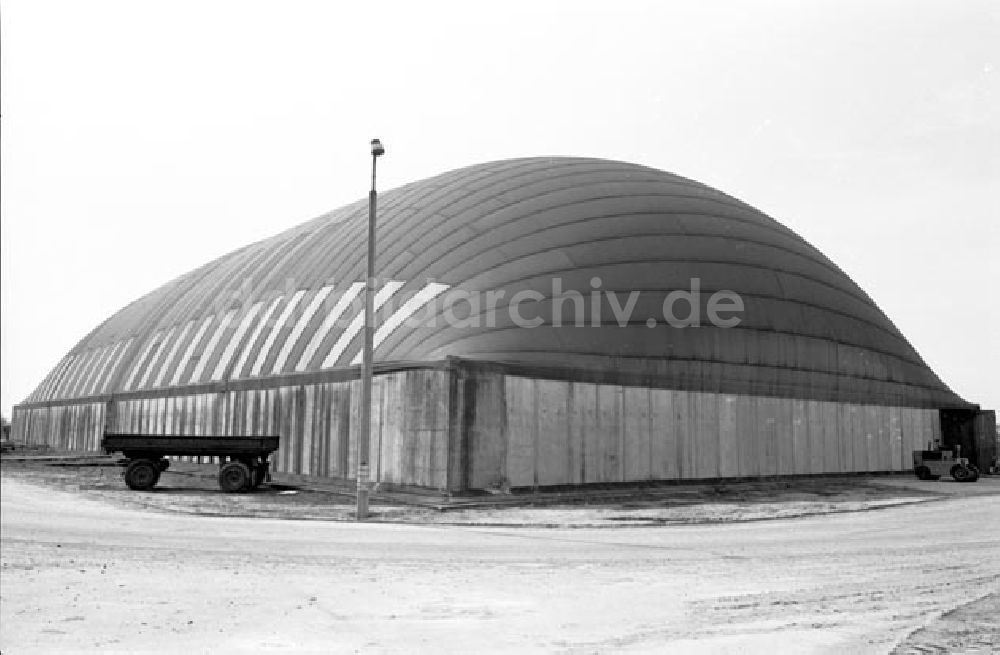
[[923, 473], [260, 474], [142, 474], [234, 477]]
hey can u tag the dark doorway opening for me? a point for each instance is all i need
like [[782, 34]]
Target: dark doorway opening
[[958, 428]]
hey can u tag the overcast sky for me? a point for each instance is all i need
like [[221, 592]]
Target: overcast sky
[[142, 139]]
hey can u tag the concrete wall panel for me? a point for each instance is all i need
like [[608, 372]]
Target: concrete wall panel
[[521, 425], [583, 422], [729, 432], [800, 436], [485, 426], [552, 433], [663, 435], [785, 432], [709, 428], [682, 428], [637, 444], [607, 435]]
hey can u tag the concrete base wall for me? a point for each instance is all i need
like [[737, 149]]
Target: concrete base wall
[[69, 427], [525, 432], [463, 427], [317, 424]]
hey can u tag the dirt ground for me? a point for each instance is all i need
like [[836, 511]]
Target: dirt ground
[[970, 628], [88, 566], [192, 489]]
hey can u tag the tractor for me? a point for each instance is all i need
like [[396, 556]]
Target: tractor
[[932, 464]]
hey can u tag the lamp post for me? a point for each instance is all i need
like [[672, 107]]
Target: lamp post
[[364, 434]]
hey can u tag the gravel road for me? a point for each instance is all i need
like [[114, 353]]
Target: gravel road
[[81, 575]]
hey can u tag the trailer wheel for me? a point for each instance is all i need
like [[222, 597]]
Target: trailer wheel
[[923, 473], [259, 474], [142, 474], [234, 477]]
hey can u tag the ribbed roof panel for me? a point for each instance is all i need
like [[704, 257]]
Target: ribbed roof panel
[[291, 303]]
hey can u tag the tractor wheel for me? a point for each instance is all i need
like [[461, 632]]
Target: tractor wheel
[[973, 473], [923, 473], [234, 477], [142, 474], [960, 473]]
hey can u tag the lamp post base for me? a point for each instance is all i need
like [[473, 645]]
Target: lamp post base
[[362, 511]]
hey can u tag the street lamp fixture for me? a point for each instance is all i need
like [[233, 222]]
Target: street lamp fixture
[[364, 434]]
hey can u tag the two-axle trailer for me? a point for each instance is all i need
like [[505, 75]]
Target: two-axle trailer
[[243, 461]]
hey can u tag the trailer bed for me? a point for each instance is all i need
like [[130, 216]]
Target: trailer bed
[[169, 444]]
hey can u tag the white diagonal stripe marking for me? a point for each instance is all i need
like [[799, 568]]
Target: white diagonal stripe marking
[[261, 324], [206, 355], [230, 350], [279, 324], [421, 298], [182, 364], [328, 323], [172, 354], [109, 375], [391, 287], [152, 360], [139, 360], [300, 325]]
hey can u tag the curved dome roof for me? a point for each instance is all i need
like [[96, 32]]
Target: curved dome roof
[[292, 303]]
